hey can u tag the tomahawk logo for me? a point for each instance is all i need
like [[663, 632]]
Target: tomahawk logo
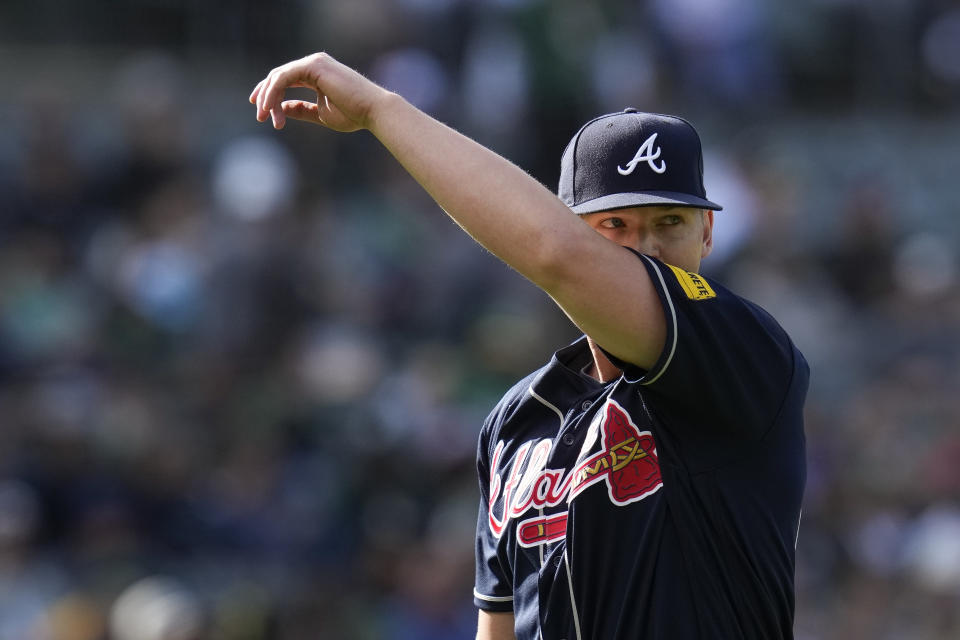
[[626, 462], [646, 154]]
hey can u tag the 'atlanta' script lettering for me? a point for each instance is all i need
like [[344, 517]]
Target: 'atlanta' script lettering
[[627, 462]]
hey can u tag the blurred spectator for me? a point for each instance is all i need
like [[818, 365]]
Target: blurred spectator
[[861, 258], [719, 50], [156, 608]]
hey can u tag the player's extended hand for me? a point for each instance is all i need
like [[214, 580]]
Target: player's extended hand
[[345, 99]]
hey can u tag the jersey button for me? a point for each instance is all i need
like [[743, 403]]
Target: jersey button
[[567, 439], [586, 405]]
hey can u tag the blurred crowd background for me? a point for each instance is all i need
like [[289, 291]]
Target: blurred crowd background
[[242, 371]]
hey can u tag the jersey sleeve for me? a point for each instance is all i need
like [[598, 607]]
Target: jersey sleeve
[[726, 366], [493, 586]]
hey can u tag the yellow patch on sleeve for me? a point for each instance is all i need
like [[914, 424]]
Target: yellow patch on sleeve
[[693, 285]]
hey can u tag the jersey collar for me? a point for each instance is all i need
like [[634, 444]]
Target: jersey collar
[[562, 382]]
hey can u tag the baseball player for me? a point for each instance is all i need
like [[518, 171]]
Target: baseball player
[[647, 481]]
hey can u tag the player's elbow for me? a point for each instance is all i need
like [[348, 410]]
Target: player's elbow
[[551, 269], [551, 254]]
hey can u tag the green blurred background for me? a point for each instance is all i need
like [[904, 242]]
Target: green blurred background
[[242, 372]]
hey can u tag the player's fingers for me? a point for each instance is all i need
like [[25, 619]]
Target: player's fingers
[[261, 91], [253, 94], [279, 119], [263, 105], [258, 91], [261, 88], [277, 82], [271, 93], [301, 110], [264, 89], [257, 99]]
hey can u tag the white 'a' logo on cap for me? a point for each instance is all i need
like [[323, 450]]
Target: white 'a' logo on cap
[[645, 153]]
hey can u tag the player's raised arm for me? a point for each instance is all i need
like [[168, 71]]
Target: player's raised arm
[[601, 286]]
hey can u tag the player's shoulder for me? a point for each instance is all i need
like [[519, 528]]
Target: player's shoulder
[[765, 325], [758, 331], [702, 293]]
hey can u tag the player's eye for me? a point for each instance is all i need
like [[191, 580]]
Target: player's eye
[[670, 221], [614, 223]]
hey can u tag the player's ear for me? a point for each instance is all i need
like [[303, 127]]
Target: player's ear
[[707, 245]]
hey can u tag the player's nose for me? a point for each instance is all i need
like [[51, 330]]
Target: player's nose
[[645, 243]]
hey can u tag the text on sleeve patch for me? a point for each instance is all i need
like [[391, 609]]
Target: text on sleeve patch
[[693, 285]]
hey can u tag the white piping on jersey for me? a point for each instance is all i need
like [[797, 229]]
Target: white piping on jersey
[[480, 596], [795, 540], [547, 404], [573, 603], [673, 318]]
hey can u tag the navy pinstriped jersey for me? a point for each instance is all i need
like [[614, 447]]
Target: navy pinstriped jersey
[[662, 505]]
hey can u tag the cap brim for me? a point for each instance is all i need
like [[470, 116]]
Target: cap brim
[[644, 199]]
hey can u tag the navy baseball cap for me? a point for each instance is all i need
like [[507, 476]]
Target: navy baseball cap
[[633, 159]]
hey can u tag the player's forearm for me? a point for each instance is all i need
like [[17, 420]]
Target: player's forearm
[[493, 200], [526, 226], [495, 626]]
